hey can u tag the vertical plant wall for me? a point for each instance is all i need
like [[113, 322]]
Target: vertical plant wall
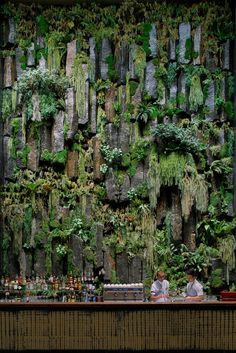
[[117, 127]]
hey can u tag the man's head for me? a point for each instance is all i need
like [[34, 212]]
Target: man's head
[[191, 275], [160, 276]]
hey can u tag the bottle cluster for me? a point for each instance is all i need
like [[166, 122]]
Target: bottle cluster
[[67, 288]]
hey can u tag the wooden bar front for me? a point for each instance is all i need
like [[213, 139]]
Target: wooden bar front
[[113, 326]]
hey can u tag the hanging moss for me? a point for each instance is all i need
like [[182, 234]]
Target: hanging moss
[[148, 227], [195, 94], [27, 225], [23, 154], [143, 38], [111, 68], [6, 103], [172, 168], [79, 75], [154, 181], [55, 51], [139, 57], [194, 190], [227, 247]]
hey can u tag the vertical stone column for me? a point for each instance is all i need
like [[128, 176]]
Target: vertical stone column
[[184, 35]]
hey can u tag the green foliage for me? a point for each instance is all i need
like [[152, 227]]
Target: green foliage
[[216, 278], [111, 155], [42, 24], [6, 103], [153, 180], [212, 228], [104, 168], [146, 112], [173, 138], [171, 73], [48, 105], [111, 68], [227, 247], [195, 94], [23, 154], [59, 157], [43, 82], [61, 250], [143, 38], [172, 168], [189, 52], [229, 109], [133, 87], [222, 166], [139, 56]]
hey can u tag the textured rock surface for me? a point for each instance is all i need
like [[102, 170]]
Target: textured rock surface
[[58, 132], [97, 158], [172, 50], [125, 187], [122, 62], [70, 57], [9, 71], [112, 135], [124, 136], [226, 55], [19, 70], [77, 247], [210, 102], [9, 163], [93, 111], [70, 110], [153, 41], [176, 216], [33, 156], [184, 34], [113, 193], [103, 55], [30, 56], [182, 89], [109, 103], [72, 164], [99, 247], [92, 57], [197, 45], [150, 80], [83, 111]]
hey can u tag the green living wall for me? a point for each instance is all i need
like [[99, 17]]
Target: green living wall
[[117, 140]]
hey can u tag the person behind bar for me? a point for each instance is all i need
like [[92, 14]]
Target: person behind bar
[[160, 288], [194, 290]]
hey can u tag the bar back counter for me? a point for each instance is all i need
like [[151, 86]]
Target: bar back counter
[[114, 326]]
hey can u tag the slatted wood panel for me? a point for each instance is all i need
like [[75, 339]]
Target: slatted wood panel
[[139, 327]]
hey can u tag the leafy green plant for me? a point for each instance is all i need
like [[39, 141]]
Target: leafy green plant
[[42, 81], [111, 155], [143, 38], [146, 112], [189, 52], [216, 278], [61, 250], [104, 168], [173, 138]]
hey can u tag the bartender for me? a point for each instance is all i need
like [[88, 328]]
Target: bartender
[[194, 290], [160, 288]]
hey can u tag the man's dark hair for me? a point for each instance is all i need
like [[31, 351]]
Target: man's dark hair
[[191, 272]]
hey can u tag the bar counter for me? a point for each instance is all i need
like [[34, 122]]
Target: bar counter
[[117, 326]]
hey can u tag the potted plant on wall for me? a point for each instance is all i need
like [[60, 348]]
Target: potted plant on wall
[[99, 293]]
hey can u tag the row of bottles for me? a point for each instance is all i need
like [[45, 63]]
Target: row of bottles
[[57, 288]]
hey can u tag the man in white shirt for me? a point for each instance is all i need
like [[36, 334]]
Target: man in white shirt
[[194, 290], [160, 288]]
